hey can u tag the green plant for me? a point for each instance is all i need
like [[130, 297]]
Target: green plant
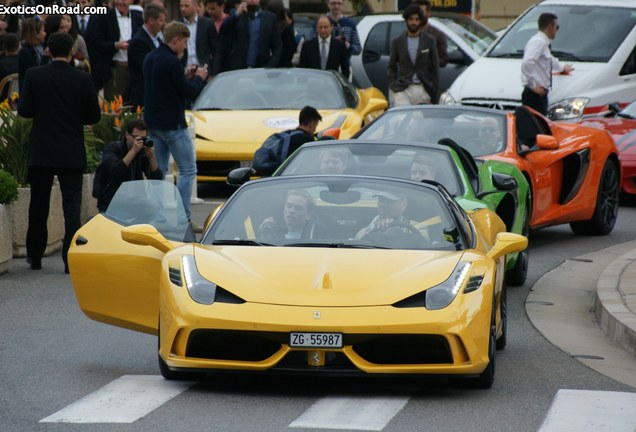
[[14, 139], [8, 188]]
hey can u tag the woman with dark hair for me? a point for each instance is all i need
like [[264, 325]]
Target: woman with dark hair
[[32, 52], [286, 30], [63, 23]]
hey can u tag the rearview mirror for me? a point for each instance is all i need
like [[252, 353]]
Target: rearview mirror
[[547, 142]]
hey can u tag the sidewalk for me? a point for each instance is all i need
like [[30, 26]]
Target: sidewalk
[[587, 307]]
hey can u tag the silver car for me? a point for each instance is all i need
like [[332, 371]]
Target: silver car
[[467, 40]]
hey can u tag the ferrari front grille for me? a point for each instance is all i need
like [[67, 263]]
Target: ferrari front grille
[[404, 349], [216, 168], [231, 345]]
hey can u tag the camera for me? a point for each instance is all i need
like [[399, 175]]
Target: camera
[[147, 142]]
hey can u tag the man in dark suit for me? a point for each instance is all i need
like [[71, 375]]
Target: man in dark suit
[[109, 60], [440, 37], [414, 64], [248, 19], [144, 41], [9, 62], [325, 52], [61, 100], [203, 36]]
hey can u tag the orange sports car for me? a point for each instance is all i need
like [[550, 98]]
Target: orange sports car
[[573, 170]]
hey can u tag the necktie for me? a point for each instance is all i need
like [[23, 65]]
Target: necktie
[[82, 25], [323, 54]]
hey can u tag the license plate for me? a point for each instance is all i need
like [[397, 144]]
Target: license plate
[[315, 340]]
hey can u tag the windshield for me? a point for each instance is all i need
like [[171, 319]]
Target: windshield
[[376, 159], [337, 212], [586, 33], [481, 133], [478, 38], [154, 202], [272, 89]]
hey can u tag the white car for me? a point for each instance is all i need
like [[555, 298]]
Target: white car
[[467, 39], [597, 38]]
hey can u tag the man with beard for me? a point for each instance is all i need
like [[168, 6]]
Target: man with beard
[[414, 63]]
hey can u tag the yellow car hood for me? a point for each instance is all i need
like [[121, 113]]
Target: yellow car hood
[[252, 126], [323, 277]]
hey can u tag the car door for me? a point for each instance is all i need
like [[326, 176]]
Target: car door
[[117, 282]]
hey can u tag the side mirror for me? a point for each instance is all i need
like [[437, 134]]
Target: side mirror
[[238, 176], [507, 243], [370, 56], [458, 58], [547, 142], [504, 182], [146, 235], [211, 216], [614, 108]]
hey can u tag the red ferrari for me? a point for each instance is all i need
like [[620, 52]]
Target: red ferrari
[[621, 124]]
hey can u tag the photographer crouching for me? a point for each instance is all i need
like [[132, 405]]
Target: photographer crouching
[[133, 158]]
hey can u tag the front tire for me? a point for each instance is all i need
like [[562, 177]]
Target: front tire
[[607, 200]]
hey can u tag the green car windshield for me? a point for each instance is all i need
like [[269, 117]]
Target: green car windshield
[[338, 212], [479, 132], [377, 159]]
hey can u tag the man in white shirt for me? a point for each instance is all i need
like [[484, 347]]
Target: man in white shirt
[[202, 40], [539, 63]]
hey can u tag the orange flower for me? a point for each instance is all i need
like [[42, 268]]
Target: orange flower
[[117, 122]]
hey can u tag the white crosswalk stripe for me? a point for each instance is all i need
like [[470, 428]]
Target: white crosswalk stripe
[[122, 401], [591, 411], [351, 413]]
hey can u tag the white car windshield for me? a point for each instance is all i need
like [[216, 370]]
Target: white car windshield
[[586, 33], [275, 89]]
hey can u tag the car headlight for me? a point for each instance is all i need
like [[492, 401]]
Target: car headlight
[[200, 289], [568, 109], [447, 99], [443, 294]]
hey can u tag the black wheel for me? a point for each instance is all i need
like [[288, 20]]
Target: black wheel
[[517, 275], [607, 199], [502, 340]]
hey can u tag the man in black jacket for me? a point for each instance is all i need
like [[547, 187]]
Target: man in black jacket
[[254, 36], [325, 52], [144, 41], [61, 100], [109, 59], [132, 158]]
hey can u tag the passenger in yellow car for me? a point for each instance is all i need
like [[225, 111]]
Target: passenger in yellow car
[[298, 219]]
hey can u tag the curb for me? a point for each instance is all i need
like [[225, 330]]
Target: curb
[[616, 320]]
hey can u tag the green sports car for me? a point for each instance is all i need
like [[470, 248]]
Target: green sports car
[[474, 183]]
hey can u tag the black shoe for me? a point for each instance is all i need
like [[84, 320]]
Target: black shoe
[[36, 264]]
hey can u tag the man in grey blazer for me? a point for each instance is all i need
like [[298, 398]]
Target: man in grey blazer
[[414, 64]]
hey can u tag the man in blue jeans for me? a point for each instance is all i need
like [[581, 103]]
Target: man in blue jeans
[[167, 87]]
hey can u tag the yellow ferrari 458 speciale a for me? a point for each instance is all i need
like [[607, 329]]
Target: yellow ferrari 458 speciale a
[[238, 110], [312, 274]]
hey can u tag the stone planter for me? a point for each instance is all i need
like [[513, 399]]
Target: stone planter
[[55, 224], [6, 237]]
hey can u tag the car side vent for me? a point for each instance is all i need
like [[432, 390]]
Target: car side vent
[[175, 276], [473, 284], [223, 296], [417, 300]]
